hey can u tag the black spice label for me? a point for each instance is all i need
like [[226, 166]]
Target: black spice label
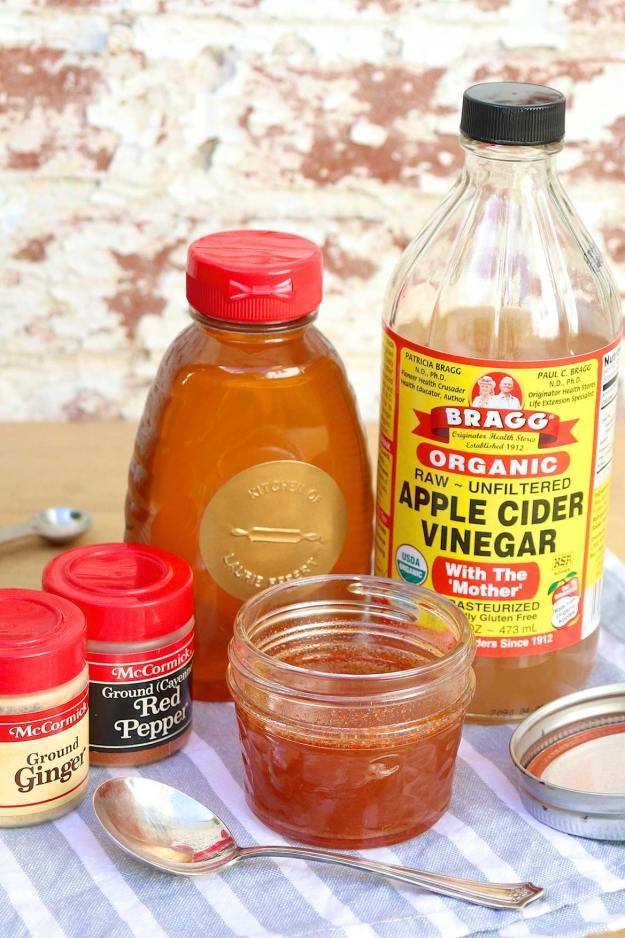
[[142, 701]]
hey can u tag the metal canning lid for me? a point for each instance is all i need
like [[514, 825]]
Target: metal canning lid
[[570, 760]]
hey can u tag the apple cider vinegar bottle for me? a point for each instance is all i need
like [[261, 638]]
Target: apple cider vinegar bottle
[[499, 387]]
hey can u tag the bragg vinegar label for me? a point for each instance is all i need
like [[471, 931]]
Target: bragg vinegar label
[[493, 486]]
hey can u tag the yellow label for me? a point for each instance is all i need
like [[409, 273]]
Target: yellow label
[[493, 481], [44, 757], [271, 523]]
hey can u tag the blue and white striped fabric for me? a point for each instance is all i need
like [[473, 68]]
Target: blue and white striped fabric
[[67, 879]]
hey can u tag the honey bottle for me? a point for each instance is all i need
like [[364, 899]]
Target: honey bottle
[[250, 459], [499, 384]]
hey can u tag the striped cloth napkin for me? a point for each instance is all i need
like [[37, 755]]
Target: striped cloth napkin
[[67, 879]]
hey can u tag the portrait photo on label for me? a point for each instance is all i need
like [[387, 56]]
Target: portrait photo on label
[[497, 390]]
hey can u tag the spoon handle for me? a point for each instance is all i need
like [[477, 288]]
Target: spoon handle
[[16, 531], [492, 895]]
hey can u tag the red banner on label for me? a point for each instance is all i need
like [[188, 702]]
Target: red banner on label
[[159, 662], [516, 642], [495, 581], [22, 727], [551, 431], [485, 465]]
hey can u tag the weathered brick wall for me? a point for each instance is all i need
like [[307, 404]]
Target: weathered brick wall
[[129, 129]]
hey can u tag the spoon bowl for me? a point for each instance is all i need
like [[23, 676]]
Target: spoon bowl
[[60, 524], [171, 831], [163, 826]]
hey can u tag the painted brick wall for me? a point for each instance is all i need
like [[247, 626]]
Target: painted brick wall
[[126, 130]]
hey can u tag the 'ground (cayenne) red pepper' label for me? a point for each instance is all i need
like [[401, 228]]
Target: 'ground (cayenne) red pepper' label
[[139, 701], [493, 483]]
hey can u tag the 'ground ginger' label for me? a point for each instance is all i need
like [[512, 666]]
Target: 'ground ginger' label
[[493, 485], [44, 756]]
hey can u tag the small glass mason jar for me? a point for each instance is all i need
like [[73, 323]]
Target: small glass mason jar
[[350, 695]]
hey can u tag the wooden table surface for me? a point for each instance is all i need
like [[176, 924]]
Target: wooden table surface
[[85, 465]]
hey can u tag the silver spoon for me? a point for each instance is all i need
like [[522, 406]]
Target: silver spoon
[[58, 525], [172, 831]]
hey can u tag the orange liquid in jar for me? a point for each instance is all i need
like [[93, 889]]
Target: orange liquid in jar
[[356, 788], [224, 400]]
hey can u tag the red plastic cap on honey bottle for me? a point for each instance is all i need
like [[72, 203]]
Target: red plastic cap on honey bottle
[[43, 641], [128, 592], [254, 276]]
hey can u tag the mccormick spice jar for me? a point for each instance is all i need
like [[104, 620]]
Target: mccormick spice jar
[[250, 459], [500, 373], [138, 603], [44, 707]]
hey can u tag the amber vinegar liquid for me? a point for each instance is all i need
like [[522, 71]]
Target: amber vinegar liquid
[[501, 314], [507, 688]]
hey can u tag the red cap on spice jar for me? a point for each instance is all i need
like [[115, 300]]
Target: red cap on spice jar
[[254, 276], [43, 641], [128, 592]]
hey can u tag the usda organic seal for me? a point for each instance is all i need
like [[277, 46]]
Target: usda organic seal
[[411, 564]]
